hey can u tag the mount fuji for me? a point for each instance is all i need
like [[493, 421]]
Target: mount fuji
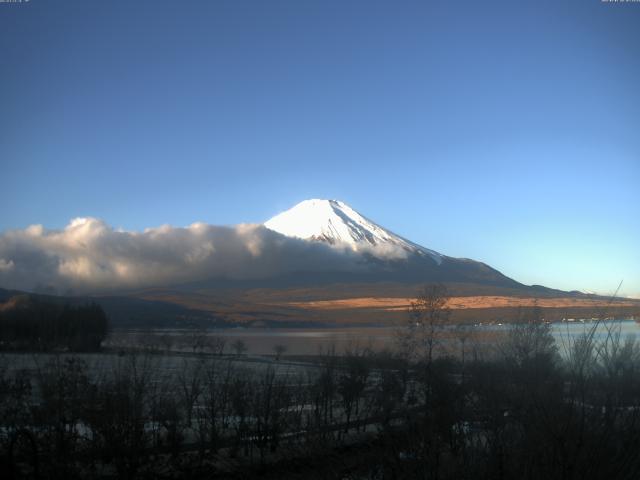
[[377, 272], [390, 256]]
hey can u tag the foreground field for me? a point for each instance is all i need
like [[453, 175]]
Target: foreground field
[[518, 410]]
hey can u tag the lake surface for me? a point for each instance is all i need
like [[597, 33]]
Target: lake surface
[[310, 341]]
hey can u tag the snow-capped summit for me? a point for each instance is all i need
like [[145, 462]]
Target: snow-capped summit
[[335, 222]]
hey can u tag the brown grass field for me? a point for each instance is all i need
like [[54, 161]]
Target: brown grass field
[[457, 303]]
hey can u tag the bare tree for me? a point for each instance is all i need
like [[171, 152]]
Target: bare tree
[[217, 399], [352, 382], [239, 347], [118, 408], [198, 340], [325, 388], [529, 341], [216, 344], [463, 333], [63, 385], [166, 341], [268, 402], [428, 314], [190, 379], [279, 350]]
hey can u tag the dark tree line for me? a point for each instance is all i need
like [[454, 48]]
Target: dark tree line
[[523, 413], [32, 324]]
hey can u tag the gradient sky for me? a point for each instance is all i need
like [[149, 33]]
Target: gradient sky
[[507, 132]]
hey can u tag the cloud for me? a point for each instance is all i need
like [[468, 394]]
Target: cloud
[[6, 266], [88, 255]]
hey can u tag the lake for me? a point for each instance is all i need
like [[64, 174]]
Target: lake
[[310, 341]]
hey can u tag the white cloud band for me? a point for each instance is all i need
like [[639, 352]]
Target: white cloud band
[[89, 255]]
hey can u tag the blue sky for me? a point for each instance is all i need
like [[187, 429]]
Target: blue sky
[[507, 132]]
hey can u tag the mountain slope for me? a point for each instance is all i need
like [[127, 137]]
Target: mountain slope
[[389, 257]]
